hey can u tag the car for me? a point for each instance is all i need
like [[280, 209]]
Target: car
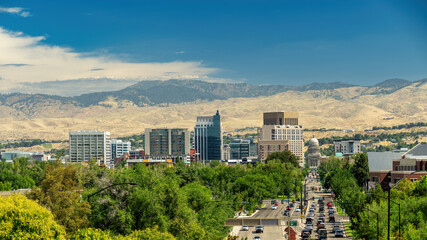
[[259, 229], [309, 228], [321, 226], [274, 207], [257, 238], [245, 228], [288, 208], [322, 232], [291, 204], [276, 204], [331, 219], [335, 228], [321, 237], [339, 233], [311, 210], [273, 201], [305, 233], [311, 215], [297, 210]]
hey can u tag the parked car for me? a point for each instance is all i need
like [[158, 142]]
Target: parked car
[[274, 207], [257, 238], [297, 210], [245, 228], [339, 233], [259, 229], [276, 204]]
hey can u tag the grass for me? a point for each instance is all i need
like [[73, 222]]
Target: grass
[[348, 230], [47, 145], [340, 211]]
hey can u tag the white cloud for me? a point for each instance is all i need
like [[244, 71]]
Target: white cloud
[[15, 10], [28, 59]]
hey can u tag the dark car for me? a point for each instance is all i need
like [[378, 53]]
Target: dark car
[[309, 228], [259, 229], [335, 228], [305, 233], [331, 219], [339, 233]]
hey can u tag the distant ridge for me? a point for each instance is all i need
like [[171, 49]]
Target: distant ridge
[[163, 93]]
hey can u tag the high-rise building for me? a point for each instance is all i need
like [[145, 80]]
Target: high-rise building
[[208, 138], [119, 147], [92, 144], [239, 149], [267, 147], [279, 126], [167, 142], [347, 147]]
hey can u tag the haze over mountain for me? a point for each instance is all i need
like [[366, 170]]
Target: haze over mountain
[[176, 103]]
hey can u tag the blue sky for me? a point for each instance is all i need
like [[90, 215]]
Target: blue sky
[[260, 42]]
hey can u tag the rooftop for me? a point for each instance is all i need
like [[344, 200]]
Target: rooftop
[[418, 151]]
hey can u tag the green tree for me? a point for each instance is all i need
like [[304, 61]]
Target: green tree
[[360, 169], [60, 193], [284, 157], [22, 218], [150, 234]]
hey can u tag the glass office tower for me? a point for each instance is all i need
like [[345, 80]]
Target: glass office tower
[[208, 138]]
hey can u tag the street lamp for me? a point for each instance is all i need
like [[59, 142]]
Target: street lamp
[[378, 220], [89, 196]]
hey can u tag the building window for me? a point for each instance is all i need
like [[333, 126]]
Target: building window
[[413, 179]]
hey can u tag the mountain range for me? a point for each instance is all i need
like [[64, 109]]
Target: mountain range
[[176, 103]]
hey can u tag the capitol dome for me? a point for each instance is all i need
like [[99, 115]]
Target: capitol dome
[[313, 141], [313, 151]]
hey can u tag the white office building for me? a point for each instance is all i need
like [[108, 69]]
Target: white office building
[[119, 147], [90, 144]]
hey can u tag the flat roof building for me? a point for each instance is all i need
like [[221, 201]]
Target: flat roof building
[[267, 147], [347, 147], [90, 144], [162, 142]]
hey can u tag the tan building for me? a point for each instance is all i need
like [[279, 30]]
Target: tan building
[[293, 134], [281, 118], [266, 147]]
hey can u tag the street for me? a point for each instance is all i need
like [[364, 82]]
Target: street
[[278, 232]]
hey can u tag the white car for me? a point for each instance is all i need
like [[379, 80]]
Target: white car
[[297, 210], [245, 228], [274, 207]]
